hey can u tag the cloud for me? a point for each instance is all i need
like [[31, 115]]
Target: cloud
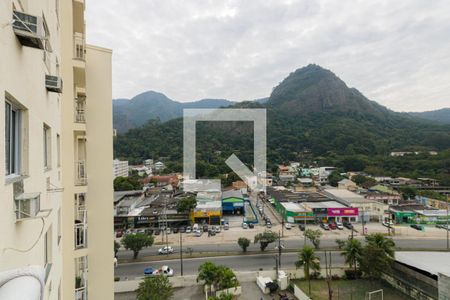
[[394, 52]]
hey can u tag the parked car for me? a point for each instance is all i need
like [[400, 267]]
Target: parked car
[[287, 225], [150, 271], [244, 225], [388, 223], [251, 225], [268, 224], [205, 228], [149, 231], [165, 270], [188, 229], [217, 228], [198, 233], [324, 226], [157, 232], [339, 226], [226, 226], [165, 250], [301, 227], [332, 226], [195, 227], [168, 230], [175, 230], [348, 225], [182, 229], [119, 233]]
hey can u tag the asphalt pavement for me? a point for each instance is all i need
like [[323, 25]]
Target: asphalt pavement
[[244, 262]]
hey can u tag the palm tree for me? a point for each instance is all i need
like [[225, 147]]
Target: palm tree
[[308, 259], [352, 252], [207, 272], [382, 242]]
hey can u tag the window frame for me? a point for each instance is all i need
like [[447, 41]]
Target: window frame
[[47, 146], [13, 130]]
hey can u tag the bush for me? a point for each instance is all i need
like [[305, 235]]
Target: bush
[[352, 274]]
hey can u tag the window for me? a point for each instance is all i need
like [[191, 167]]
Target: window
[[47, 147], [12, 139], [58, 150], [59, 225]]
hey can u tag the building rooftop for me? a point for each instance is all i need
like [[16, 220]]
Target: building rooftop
[[346, 195], [431, 262], [324, 204], [294, 207], [232, 194]]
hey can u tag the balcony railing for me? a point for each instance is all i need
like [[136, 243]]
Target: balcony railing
[[79, 44], [81, 293], [79, 110], [80, 235], [80, 173]]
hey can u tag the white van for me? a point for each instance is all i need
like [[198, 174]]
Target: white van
[[195, 227]]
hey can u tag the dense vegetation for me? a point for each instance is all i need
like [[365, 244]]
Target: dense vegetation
[[314, 118]]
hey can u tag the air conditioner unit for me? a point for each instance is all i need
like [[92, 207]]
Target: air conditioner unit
[[53, 83], [28, 206], [29, 29]]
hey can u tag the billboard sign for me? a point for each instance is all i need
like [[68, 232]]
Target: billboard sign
[[342, 212]]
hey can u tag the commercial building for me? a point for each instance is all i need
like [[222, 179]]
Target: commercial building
[[120, 168], [45, 156], [208, 209], [233, 202], [421, 275], [369, 210]]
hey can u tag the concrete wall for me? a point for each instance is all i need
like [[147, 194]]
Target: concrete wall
[[300, 294], [444, 287]]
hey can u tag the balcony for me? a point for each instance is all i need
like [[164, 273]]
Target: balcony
[[79, 46], [80, 235], [80, 173], [79, 110], [81, 293]]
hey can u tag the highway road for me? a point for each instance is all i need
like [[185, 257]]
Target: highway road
[[244, 262], [410, 243]]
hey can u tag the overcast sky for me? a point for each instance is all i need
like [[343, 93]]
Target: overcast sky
[[395, 52]]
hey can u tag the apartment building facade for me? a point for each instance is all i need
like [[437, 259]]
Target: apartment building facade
[[120, 168], [51, 137]]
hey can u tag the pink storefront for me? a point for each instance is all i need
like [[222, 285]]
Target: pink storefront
[[343, 214]]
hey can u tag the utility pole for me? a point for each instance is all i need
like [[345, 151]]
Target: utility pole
[[282, 226], [304, 235], [276, 266], [448, 248], [181, 252], [279, 249], [362, 220]]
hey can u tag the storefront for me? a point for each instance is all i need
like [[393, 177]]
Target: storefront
[[233, 206], [206, 217], [348, 214], [400, 217]]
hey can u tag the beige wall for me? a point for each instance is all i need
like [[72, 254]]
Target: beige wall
[[22, 76]]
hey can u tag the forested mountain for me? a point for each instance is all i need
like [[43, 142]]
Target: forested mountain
[[312, 116], [440, 115], [153, 105]]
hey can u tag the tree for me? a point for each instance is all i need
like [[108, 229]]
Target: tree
[[408, 192], [334, 178], [382, 242], [155, 288], [364, 181], [186, 205], [374, 261], [308, 259], [313, 236], [224, 296], [136, 242], [340, 243], [219, 277], [244, 243], [352, 253], [265, 238], [116, 248]]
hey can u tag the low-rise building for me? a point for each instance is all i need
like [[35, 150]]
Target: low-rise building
[[233, 202], [347, 184], [159, 166]]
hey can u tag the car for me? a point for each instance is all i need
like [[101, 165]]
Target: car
[[387, 223], [244, 225], [195, 227], [166, 271], [251, 225], [217, 229], [150, 271], [182, 229], [324, 226], [188, 229], [165, 250], [157, 232], [416, 226], [339, 226], [288, 226], [348, 225], [168, 230], [332, 226], [140, 231], [268, 224], [301, 227], [226, 226], [119, 233], [198, 233], [149, 231], [205, 228], [211, 232], [175, 230]]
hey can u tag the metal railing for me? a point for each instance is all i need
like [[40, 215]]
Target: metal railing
[[80, 173], [79, 110], [81, 293], [79, 44], [80, 235]]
